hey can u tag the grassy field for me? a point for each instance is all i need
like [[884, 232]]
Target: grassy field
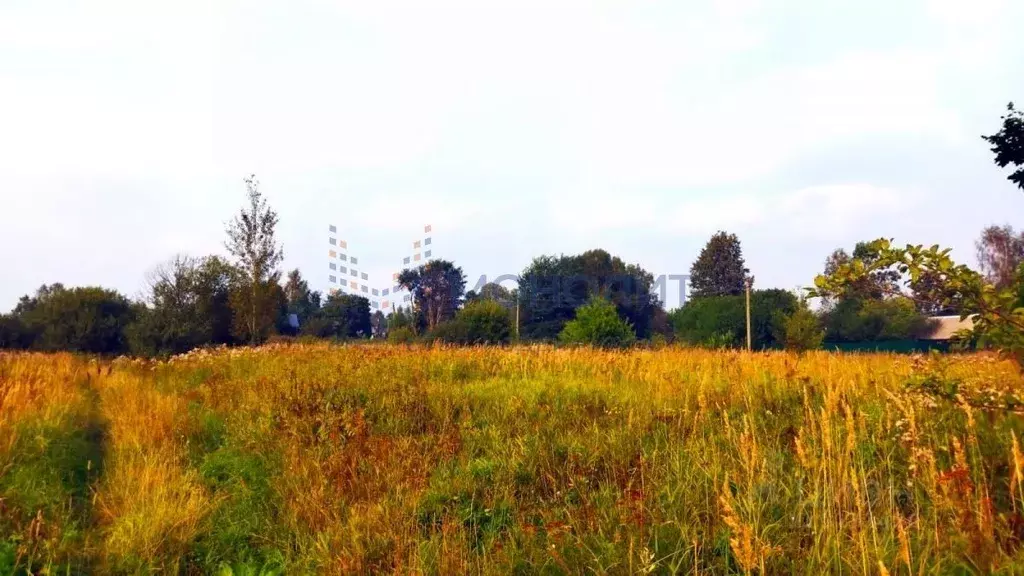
[[334, 459]]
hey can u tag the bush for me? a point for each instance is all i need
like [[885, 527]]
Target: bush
[[480, 322], [720, 340], [449, 332], [318, 327], [658, 341], [598, 324], [801, 330], [402, 335], [485, 322]]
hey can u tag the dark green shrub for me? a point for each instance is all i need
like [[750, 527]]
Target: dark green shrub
[[13, 332], [89, 319], [348, 316]]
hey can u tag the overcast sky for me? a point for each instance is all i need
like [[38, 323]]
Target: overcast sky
[[516, 129]]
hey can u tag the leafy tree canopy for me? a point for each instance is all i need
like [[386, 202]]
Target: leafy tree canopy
[[719, 269], [379, 324], [437, 287], [493, 292], [1008, 144], [874, 286], [348, 315], [801, 330], [860, 320], [251, 241], [1000, 252], [302, 301], [187, 306], [267, 315], [480, 322], [87, 319], [717, 321], [551, 289]]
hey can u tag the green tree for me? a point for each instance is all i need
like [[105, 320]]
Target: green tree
[[801, 330], [1000, 252], [400, 318], [437, 288], [720, 321], [401, 326], [88, 319], [923, 291], [873, 286], [859, 320], [874, 308], [719, 269], [493, 292], [552, 288], [379, 324], [713, 321], [271, 308], [1008, 144], [187, 306], [13, 333], [349, 316], [486, 322], [302, 301], [597, 323], [480, 322], [661, 326], [256, 303]]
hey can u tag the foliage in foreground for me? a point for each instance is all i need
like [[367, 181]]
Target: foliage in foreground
[[355, 459], [1008, 144], [997, 314]]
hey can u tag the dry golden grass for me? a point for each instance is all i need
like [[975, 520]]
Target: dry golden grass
[[357, 459]]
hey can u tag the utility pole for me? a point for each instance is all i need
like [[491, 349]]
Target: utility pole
[[517, 318], [748, 281]]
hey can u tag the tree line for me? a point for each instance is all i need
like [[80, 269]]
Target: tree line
[[595, 297]]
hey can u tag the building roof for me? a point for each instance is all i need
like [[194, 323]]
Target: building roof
[[945, 327]]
